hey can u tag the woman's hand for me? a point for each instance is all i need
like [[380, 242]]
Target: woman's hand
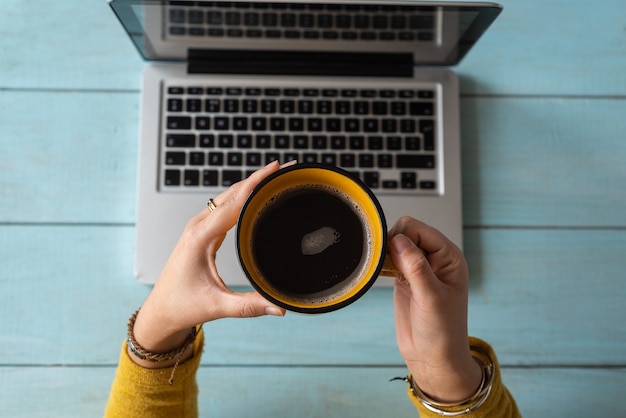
[[430, 302], [189, 290]]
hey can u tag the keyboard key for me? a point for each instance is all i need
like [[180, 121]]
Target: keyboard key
[[263, 141], [196, 158], [389, 125], [287, 106], [250, 106], [320, 142], [379, 108], [301, 142], [375, 143], [394, 143], [385, 160], [428, 185], [175, 90], [407, 126], [244, 141], [352, 125], [329, 159], [259, 124], [305, 106], [309, 158], [314, 124], [221, 123], [338, 142], [282, 141], [192, 178], [290, 156], [226, 141], [234, 159], [240, 123], [347, 160], [366, 160], [216, 158], [277, 124], [390, 184], [212, 105], [271, 156], [178, 122], [371, 178], [209, 177], [296, 124], [421, 109], [370, 125], [415, 161], [231, 105], [207, 141], [357, 143], [253, 159], [412, 143], [408, 180], [203, 123], [361, 108], [427, 129], [174, 105], [333, 124], [180, 140], [175, 158], [172, 178], [230, 177]]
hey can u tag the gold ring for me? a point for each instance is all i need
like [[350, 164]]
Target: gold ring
[[210, 205]]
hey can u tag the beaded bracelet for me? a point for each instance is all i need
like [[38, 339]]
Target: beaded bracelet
[[146, 355], [453, 409]]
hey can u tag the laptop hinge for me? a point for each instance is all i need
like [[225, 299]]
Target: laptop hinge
[[214, 61]]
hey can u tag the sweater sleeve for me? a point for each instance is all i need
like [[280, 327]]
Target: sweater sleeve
[[499, 404], [141, 392]]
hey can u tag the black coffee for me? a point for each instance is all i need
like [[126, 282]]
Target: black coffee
[[310, 241]]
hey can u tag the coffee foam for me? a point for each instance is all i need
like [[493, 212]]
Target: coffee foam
[[346, 286]]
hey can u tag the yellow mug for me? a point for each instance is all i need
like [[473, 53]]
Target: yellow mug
[[312, 238]]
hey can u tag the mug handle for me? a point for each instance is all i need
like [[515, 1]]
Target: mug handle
[[389, 268]]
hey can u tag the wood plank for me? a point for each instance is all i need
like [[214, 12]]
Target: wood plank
[[68, 157], [535, 47], [539, 162], [540, 297], [526, 162], [329, 392]]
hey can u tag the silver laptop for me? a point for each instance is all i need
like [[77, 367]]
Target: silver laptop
[[358, 84]]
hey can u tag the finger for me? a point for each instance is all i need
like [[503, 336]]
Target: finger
[[413, 266], [424, 236], [229, 203], [402, 315], [249, 305]]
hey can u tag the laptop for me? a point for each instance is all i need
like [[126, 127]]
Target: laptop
[[231, 86]]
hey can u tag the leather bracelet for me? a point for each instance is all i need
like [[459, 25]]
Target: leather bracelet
[[146, 355], [475, 401]]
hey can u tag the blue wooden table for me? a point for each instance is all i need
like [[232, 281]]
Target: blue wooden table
[[544, 169]]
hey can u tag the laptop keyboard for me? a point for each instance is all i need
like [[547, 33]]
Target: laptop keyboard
[[315, 21], [214, 135]]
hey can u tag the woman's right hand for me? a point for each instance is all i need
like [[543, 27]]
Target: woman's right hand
[[430, 305]]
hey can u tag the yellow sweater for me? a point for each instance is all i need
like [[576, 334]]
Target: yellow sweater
[[146, 393]]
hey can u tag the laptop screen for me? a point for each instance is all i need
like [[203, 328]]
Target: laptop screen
[[434, 33]]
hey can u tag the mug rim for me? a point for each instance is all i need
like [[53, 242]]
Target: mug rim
[[365, 285]]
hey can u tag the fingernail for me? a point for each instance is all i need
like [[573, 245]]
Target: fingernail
[[400, 242], [271, 163], [274, 311], [289, 163]]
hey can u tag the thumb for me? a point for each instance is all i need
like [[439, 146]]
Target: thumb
[[412, 264], [250, 305]]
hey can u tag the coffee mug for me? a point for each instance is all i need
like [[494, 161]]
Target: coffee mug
[[312, 238]]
